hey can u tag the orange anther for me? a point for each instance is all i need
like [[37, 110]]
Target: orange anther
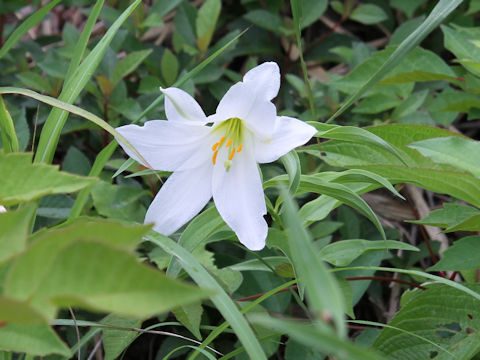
[[239, 148], [214, 147], [228, 142], [214, 159], [220, 142], [232, 153]]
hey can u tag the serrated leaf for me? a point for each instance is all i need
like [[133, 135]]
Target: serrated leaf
[[15, 227], [464, 254], [128, 64], [37, 340], [342, 253], [453, 325], [27, 181]]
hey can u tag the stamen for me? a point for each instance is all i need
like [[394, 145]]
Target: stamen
[[214, 147], [239, 148], [232, 154], [220, 142], [228, 143], [214, 159]]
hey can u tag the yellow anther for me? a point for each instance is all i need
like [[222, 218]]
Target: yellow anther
[[239, 148], [232, 154], [228, 143], [214, 159]]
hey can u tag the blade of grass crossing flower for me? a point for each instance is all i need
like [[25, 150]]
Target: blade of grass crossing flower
[[438, 14], [439, 279], [190, 74], [373, 323], [83, 41], [97, 168], [56, 119], [9, 136], [297, 13], [72, 109], [222, 301], [221, 328], [29, 23], [323, 293]]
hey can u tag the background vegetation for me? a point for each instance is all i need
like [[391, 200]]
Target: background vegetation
[[393, 89]]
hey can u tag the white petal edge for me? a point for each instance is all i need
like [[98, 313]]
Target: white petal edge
[[167, 145], [238, 196], [183, 196], [265, 78], [2, 209], [289, 134], [181, 107]]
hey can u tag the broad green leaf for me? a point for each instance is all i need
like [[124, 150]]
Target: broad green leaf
[[101, 283], [267, 20], [407, 6], [207, 17], [169, 66], [342, 253], [76, 162], [27, 272], [119, 202], [38, 340], [27, 181], [15, 227], [73, 86], [464, 254], [35, 81], [115, 341], [421, 171], [450, 216], [458, 41], [316, 337], [441, 10], [128, 64], [418, 76], [368, 14], [454, 325], [456, 151], [17, 312], [222, 301], [312, 10], [190, 316], [323, 293], [7, 129], [29, 23], [353, 134], [470, 224]]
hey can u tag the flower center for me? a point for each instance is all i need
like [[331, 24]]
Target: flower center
[[232, 130]]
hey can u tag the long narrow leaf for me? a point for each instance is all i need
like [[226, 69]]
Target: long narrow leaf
[[56, 119], [9, 136], [438, 14], [222, 301]]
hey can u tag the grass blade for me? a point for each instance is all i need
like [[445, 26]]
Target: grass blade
[[222, 301], [56, 119], [438, 14], [32, 21]]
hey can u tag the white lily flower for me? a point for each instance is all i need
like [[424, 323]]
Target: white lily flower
[[217, 155], [2, 209]]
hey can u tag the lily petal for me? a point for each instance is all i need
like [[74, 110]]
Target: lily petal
[[289, 133], [182, 196], [238, 196], [167, 145], [266, 78], [241, 101], [181, 107]]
